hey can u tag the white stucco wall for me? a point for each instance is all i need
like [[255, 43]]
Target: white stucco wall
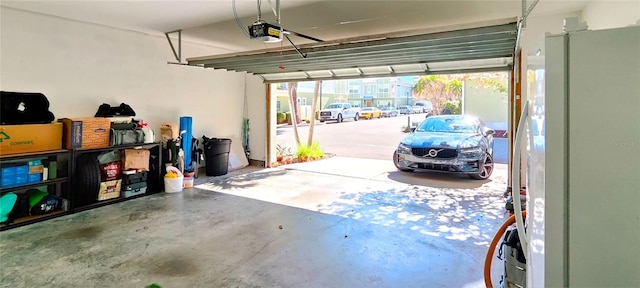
[[79, 66], [487, 103], [257, 114], [611, 14]]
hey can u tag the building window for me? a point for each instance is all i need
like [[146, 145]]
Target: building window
[[281, 86], [302, 101], [383, 90], [278, 106], [354, 89], [368, 89]]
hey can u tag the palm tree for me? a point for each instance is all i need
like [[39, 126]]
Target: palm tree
[[438, 89], [314, 105], [293, 103]]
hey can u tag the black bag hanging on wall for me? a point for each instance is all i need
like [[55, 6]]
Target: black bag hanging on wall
[[24, 108]]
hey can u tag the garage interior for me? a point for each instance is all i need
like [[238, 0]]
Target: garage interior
[[359, 230]]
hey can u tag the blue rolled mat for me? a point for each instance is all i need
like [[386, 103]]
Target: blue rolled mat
[[186, 124]]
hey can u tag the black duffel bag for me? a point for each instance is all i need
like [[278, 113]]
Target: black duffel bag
[[24, 108]]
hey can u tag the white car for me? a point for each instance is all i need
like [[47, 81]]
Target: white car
[[424, 106], [338, 112], [416, 109]]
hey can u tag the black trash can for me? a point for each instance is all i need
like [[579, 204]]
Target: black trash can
[[216, 153]]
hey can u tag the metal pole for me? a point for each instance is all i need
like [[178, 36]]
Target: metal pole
[[259, 12]]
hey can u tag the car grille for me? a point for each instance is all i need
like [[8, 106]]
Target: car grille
[[443, 154], [438, 167], [325, 113]]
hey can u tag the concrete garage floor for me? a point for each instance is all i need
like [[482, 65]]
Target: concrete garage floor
[[361, 224]]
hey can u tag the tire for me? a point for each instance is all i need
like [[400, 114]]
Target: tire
[[87, 180], [486, 169], [339, 118], [395, 162], [357, 117], [321, 121]]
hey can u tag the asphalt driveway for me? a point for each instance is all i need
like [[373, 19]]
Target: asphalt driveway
[[369, 139]]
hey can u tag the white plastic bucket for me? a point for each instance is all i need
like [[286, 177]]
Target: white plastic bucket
[[173, 185]]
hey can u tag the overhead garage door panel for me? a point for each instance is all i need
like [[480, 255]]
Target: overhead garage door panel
[[474, 49]]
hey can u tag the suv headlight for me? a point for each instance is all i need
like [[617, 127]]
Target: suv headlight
[[404, 149], [474, 152]]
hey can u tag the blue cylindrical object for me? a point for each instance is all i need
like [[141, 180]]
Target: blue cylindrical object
[[186, 124]]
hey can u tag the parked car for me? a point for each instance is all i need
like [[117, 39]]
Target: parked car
[[370, 112], [339, 112], [405, 110], [448, 143], [416, 109], [425, 106], [389, 111]]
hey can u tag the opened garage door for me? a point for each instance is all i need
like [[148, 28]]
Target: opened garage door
[[465, 50]]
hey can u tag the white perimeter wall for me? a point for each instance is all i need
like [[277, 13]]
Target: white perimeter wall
[[79, 66]]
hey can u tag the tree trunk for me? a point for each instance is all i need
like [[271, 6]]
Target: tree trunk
[[314, 104], [296, 106], [293, 99]]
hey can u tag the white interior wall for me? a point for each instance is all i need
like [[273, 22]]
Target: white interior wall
[[79, 66], [257, 113], [611, 14]]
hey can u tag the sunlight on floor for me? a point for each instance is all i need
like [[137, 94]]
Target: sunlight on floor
[[454, 214]]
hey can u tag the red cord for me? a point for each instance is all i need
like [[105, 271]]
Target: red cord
[[492, 248]]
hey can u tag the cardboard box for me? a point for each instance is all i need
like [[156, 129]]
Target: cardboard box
[[15, 139], [136, 159], [86, 133], [109, 190]]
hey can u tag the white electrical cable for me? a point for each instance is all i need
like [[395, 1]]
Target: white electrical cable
[[276, 10], [515, 175], [238, 22]]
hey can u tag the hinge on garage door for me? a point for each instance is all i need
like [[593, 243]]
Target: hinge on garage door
[[177, 54]]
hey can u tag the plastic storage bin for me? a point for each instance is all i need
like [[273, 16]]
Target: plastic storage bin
[[188, 182]]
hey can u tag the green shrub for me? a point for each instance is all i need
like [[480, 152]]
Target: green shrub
[[282, 118], [454, 106], [287, 117], [306, 153], [316, 151]]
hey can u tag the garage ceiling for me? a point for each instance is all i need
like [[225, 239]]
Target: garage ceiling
[[487, 48], [442, 39]]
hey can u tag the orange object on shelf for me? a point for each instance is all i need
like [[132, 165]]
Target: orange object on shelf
[[16, 139]]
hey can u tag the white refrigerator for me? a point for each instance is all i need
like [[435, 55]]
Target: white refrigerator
[[582, 161]]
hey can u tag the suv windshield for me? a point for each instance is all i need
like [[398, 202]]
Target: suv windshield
[[333, 106], [449, 124]]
